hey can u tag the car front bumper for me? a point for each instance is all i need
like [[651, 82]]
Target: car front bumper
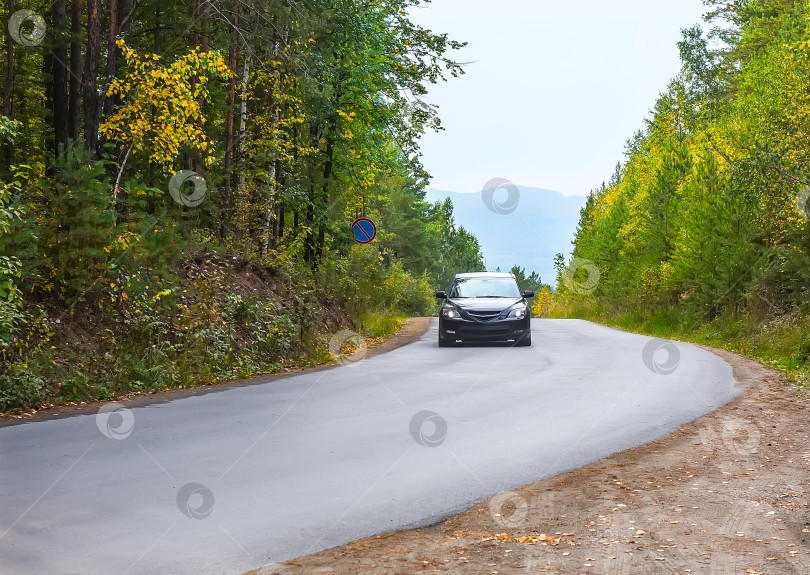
[[453, 330]]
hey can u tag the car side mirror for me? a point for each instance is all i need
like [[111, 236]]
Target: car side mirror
[[441, 294], [528, 294]]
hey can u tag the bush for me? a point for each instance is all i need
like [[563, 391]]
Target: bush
[[20, 389], [365, 285], [258, 332]]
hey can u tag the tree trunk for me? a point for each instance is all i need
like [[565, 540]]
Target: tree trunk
[[91, 103], [58, 69], [205, 23], [277, 208], [280, 201], [268, 212], [241, 191], [274, 105], [195, 16], [188, 160], [309, 216], [156, 35], [125, 9], [75, 97], [324, 200], [112, 55], [233, 56], [278, 205], [309, 243], [75, 90], [8, 88]]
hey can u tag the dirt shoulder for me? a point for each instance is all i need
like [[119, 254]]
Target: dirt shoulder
[[727, 494], [412, 330]]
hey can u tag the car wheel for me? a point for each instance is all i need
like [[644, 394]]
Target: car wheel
[[525, 341]]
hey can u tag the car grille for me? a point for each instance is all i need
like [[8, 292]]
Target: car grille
[[483, 315]]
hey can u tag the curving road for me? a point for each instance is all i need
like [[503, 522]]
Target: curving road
[[232, 480]]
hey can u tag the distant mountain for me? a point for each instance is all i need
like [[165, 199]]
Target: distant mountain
[[540, 225]]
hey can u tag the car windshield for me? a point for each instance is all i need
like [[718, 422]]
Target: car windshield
[[484, 287]]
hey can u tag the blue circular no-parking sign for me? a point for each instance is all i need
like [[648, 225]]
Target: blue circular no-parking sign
[[364, 231]]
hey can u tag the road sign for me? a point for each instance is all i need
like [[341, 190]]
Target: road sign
[[364, 231]]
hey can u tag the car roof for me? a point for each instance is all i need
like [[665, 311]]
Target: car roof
[[486, 275]]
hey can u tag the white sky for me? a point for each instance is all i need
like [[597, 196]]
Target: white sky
[[554, 89]]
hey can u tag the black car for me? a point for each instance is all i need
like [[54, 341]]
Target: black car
[[484, 306]]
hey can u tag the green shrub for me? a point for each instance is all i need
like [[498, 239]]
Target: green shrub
[[20, 389]]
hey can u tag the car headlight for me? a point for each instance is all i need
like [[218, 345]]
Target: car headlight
[[519, 312], [450, 313]]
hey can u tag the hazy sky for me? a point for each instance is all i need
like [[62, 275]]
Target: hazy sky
[[553, 90]]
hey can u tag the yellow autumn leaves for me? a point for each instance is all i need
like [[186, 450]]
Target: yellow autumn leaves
[[161, 111]]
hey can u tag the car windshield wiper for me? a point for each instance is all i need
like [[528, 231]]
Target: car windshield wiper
[[494, 296]]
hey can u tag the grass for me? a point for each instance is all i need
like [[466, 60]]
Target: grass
[[376, 325]]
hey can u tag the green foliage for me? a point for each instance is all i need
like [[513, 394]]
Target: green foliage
[[23, 328], [10, 266], [700, 234], [423, 238], [20, 388], [296, 118], [257, 332], [381, 325], [532, 282], [9, 129], [66, 238], [460, 251], [366, 286]]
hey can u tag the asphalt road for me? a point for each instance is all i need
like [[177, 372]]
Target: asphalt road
[[233, 480]]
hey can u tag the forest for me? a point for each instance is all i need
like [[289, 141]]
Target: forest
[[179, 180], [703, 231]]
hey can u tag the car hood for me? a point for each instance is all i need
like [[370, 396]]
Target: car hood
[[486, 303]]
